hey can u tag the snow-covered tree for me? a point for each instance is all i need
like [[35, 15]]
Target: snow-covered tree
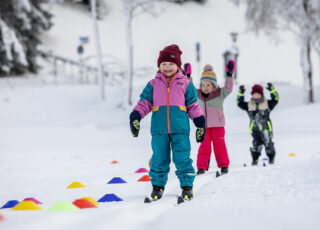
[[21, 23], [301, 17], [131, 9]]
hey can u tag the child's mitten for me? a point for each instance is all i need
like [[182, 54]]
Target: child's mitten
[[135, 118], [273, 92], [230, 68], [200, 123], [270, 87], [242, 89]]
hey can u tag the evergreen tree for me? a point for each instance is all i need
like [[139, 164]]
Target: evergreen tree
[[21, 24]]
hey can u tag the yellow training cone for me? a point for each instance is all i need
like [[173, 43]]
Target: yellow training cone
[[292, 154], [76, 185], [26, 205], [90, 199]]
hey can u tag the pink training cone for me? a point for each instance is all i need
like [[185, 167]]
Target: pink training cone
[[142, 170], [33, 199]]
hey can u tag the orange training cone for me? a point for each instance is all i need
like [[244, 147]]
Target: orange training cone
[[145, 178]]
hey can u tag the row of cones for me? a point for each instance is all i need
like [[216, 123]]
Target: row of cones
[[82, 203], [115, 180], [85, 202]]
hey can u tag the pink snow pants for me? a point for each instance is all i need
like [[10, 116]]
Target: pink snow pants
[[216, 134]]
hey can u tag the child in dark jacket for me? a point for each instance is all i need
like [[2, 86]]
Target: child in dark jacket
[[259, 109], [172, 98]]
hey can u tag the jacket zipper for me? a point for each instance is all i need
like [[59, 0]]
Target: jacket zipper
[[205, 109], [168, 107]]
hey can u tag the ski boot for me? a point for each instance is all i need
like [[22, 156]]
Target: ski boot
[[187, 193], [157, 192], [254, 161], [224, 170], [271, 160], [201, 171]]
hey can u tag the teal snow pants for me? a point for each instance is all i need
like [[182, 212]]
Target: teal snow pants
[[160, 161]]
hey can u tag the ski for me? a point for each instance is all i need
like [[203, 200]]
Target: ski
[[181, 200], [149, 200], [218, 174]]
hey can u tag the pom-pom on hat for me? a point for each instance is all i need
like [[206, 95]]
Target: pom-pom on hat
[[170, 53], [257, 89], [209, 75]]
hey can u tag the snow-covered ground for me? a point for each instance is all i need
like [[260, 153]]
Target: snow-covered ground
[[52, 135]]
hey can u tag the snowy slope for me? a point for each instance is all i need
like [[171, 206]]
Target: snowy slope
[[52, 135]]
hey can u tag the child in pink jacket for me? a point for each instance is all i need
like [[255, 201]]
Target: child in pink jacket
[[211, 98]]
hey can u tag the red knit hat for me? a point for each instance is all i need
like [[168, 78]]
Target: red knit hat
[[170, 53], [257, 89]]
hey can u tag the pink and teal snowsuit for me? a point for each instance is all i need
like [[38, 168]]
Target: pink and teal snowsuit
[[171, 104]]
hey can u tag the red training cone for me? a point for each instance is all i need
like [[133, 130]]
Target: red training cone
[[83, 203], [1, 217]]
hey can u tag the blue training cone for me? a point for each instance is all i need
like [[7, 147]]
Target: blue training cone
[[110, 198], [10, 204], [117, 180]]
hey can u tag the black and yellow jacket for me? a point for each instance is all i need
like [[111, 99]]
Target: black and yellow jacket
[[259, 110]]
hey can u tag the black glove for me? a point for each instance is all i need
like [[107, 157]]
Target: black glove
[[270, 87], [200, 123], [135, 118], [242, 89], [230, 68], [273, 93]]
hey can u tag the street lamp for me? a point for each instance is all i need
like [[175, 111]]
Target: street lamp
[[232, 54]]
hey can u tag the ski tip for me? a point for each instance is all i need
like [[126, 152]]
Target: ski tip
[[147, 200], [264, 164], [244, 165], [180, 200], [218, 174]]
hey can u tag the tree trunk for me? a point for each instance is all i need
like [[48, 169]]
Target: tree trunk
[[128, 11], [306, 55], [307, 69]]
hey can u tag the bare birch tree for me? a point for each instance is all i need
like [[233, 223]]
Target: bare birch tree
[[301, 17]]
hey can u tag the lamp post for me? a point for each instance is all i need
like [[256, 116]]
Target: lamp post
[[232, 54], [198, 56]]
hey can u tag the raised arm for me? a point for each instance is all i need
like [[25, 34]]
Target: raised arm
[[240, 99], [274, 96], [227, 89]]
